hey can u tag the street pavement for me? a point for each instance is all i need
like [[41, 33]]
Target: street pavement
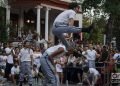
[[11, 84], [39, 83], [35, 84]]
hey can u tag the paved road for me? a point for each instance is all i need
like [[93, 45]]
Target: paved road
[[35, 84], [39, 84], [10, 84]]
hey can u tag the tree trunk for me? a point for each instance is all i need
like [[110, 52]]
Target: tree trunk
[[109, 29], [117, 31]]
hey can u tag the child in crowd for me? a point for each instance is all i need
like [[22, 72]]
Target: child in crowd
[[15, 73], [59, 70]]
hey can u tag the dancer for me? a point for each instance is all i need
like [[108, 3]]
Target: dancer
[[47, 64], [64, 23]]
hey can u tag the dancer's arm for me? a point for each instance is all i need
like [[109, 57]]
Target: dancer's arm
[[71, 22]]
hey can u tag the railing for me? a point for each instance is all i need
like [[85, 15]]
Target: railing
[[105, 69]]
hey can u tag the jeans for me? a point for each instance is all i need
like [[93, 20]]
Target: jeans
[[60, 28], [91, 63], [25, 68], [49, 71]]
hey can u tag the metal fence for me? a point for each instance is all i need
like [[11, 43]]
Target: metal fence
[[105, 69]]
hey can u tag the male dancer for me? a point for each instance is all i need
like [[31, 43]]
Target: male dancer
[[64, 23], [47, 65]]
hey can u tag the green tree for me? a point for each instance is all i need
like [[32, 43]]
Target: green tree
[[110, 9], [97, 35], [113, 26]]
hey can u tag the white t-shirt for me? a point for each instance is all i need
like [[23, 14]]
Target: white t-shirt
[[83, 53], [3, 60], [91, 54], [50, 50], [36, 55], [8, 50], [65, 16], [116, 56], [36, 58], [9, 57], [59, 68], [25, 54], [15, 70], [94, 71]]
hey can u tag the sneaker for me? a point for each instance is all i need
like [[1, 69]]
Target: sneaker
[[79, 83]]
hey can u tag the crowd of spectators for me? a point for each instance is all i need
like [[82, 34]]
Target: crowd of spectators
[[88, 59]]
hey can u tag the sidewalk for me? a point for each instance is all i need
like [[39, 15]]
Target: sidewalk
[[39, 83], [34, 84]]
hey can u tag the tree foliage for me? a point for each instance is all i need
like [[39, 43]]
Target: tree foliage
[[112, 9], [97, 35], [89, 4]]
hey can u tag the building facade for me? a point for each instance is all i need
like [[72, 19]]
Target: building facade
[[35, 15]]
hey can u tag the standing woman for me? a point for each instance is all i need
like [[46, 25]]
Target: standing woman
[[15, 55], [36, 56]]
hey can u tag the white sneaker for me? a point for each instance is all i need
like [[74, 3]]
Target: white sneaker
[[80, 83]]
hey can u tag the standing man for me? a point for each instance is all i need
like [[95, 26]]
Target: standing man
[[116, 57], [64, 23], [9, 61], [47, 65], [26, 58], [91, 55]]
